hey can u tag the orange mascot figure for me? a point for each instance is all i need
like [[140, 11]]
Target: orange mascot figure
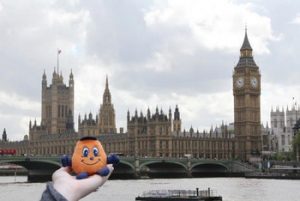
[[89, 158]]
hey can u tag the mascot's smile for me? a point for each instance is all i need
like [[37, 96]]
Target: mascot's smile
[[90, 163]]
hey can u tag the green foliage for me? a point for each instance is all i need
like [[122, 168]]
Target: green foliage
[[279, 156], [283, 156], [296, 140], [296, 144]]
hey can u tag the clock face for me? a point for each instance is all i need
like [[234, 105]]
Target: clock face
[[239, 82], [253, 82]]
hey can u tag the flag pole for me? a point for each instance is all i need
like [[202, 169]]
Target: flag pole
[[58, 52], [57, 61]]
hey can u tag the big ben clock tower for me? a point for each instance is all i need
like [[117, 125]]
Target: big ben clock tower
[[246, 92]]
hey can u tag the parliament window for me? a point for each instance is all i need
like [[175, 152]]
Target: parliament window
[[58, 110], [282, 139]]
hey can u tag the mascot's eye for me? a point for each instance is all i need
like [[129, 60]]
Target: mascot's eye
[[85, 151], [96, 152]]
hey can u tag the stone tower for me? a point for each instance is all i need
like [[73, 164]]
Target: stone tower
[[107, 121], [4, 136], [278, 119], [282, 124], [246, 92], [177, 121], [57, 104]]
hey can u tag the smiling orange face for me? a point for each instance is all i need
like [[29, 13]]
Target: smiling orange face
[[89, 156]]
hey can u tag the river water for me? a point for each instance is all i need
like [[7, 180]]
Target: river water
[[232, 189]]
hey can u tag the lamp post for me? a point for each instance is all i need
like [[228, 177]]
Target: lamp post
[[296, 108], [296, 130], [297, 146]]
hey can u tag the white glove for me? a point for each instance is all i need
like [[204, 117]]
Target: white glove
[[74, 189]]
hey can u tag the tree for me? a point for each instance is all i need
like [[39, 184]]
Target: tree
[[296, 145]]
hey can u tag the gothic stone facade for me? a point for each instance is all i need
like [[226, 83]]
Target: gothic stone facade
[[159, 135], [282, 123], [147, 136], [153, 135]]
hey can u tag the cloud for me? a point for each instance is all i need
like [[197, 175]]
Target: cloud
[[155, 53], [215, 25], [296, 20], [32, 32], [29, 41], [17, 102], [15, 113], [159, 63], [168, 53]]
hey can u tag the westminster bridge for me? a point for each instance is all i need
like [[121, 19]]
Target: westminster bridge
[[40, 168]]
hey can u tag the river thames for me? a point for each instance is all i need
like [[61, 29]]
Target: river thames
[[232, 189]]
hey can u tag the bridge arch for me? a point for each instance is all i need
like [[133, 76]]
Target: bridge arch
[[163, 169], [124, 170], [29, 164], [208, 169], [41, 170]]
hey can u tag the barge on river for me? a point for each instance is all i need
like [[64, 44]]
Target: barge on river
[[179, 195]]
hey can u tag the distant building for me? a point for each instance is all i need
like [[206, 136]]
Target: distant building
[[153, 135], [282, 123], [156, 134]]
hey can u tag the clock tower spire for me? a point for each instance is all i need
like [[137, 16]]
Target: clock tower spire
[[246, 92]]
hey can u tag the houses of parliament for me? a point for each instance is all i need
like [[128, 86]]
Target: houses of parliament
[[149, 133]]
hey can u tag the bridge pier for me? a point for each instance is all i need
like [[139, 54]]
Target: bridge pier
[[189, 168], [39, 176], [37, 170], [137, 172]]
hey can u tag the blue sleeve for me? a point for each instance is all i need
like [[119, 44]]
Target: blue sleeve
[[50, 194]]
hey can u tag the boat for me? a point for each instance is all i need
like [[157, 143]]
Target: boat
[[179, 195]]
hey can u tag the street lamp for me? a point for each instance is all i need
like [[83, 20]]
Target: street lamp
[[296, 108], [296, 128]]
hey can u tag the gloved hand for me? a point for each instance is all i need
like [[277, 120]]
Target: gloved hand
[[73, 189]]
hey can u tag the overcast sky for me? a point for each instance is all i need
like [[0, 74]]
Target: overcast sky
[[155, 53]]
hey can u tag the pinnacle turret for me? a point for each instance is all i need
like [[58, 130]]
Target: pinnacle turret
[[246, 58], [106, 94], [71, 80], [176, 113], [44, 80], [4, 135], [71, 75], [106, 83], [148, 113], [44, 75], [128, 115], [246, 45]]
